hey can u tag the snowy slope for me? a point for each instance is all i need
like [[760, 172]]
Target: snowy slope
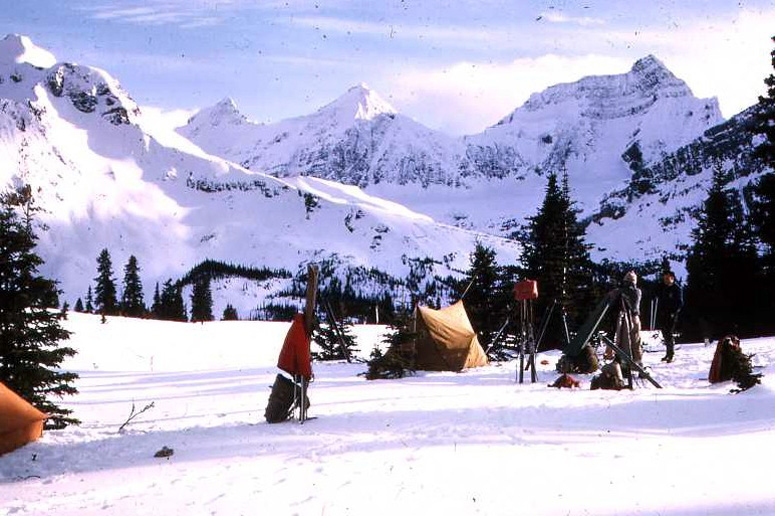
[[464, 443], [108, 179]]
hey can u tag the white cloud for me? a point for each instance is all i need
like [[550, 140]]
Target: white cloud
[[468, 97], [165, 118], [558, 17], [453, 35]]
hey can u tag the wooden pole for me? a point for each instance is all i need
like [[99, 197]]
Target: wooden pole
[[309, 321], [312, 296]]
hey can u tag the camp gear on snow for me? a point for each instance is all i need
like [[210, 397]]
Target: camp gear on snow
[[622, 355], [610, 378], [584, 363], [20, 422], [445, 340], [295, 356], [566, 381], [525, 292], [282, 400], [730, 363], [622, 299]]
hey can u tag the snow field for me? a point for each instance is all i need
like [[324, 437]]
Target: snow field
[[474, 442]]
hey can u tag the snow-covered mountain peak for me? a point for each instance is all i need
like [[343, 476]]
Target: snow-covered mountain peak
[[16, 48], [225, 112], [652, 76], [613, 96], [358, 103]]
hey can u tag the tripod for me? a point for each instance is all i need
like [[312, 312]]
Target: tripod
[[527, 343]]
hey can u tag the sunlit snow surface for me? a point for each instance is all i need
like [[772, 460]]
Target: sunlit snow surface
[[464, 443]]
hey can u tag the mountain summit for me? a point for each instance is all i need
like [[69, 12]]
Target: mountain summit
[[358, 103]]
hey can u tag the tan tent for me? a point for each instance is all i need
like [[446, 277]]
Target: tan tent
[[446, 341], [20, 422]]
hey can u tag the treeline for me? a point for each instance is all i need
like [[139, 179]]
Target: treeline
[[168, 303]]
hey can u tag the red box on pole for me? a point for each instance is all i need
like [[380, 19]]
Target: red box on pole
[[525, 290]]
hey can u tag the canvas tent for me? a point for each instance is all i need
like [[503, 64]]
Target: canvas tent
[[20, 422], [445, 340]]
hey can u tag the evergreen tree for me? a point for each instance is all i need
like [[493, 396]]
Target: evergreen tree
[[105, 291], [327, 339], [132, 299], [764, 119], [555, 254], [763, 206], [230, 313], [89, 301], [78, 305], [487, 299], [201, 301], [723, 277], [156, 306], [398, 360], [171, 306], [30, 333]]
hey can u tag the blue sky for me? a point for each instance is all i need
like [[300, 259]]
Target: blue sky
[[453, 65]]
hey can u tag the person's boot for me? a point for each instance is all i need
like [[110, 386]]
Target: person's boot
[[667, 358]]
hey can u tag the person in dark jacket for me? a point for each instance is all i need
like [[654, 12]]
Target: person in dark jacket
[[670, 302]]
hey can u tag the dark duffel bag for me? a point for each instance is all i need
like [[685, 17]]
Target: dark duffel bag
[[279, 407]]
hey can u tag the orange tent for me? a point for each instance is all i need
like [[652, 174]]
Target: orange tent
[[20, 422]]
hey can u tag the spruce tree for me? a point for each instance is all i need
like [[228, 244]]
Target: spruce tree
[[763, 206], [764, 119], [398, 360], [486, 299], [30, 332], [105, 299], [230, 313], [555, 254], [78, 305], [201, 301], [328, 340], [132, 300], [171, 306], [89, 301], [156, 306], [723, 277]]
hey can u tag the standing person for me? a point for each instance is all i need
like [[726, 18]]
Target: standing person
[[631, 295], [670, 299], [627, 334]]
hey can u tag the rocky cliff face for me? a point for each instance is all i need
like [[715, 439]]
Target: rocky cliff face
[[653, 214]]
